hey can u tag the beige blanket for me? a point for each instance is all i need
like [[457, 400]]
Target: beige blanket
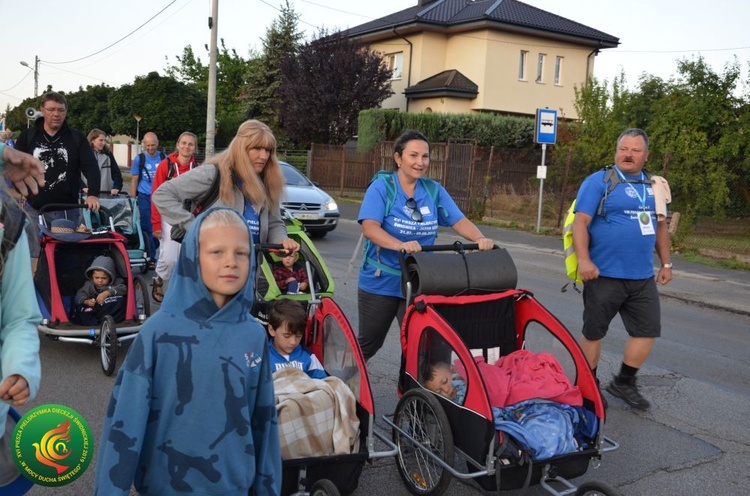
[[662, 196], [317, 417]]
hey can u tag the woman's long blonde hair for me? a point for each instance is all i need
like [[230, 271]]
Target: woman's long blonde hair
[[234, 164]]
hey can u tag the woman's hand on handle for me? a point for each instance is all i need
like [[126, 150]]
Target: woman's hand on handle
[[485, 244], [410, 247], [290, 245]]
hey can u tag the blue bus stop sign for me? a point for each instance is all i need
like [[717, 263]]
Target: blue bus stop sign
[[545, 130]]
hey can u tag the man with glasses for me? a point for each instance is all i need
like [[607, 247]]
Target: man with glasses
[[66, 154]]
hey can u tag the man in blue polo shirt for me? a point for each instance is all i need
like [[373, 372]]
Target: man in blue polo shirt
[[143, 171]]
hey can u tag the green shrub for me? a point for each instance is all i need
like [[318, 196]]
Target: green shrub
[[376, 125]]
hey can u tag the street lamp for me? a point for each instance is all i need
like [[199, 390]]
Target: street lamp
[[36, 74], [137, 118]]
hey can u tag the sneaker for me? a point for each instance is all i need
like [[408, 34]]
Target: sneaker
[[629, 393], [604, 400]]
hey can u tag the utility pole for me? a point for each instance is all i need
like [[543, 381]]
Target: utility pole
[[36, 74], [213, 23]]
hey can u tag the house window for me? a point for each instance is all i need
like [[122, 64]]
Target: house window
[[395, 63], [540, 67], [558, 70], [522, 65]]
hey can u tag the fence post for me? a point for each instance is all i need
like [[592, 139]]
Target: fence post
[[309, 164], [343, 167]]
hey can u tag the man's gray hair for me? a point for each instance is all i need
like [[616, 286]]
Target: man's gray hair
[[634, 132]]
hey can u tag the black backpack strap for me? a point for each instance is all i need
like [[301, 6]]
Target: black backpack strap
[[142, 166], [211, 195]]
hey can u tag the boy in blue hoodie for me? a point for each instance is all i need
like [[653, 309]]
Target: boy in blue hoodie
[[193, 408], [287, 321]]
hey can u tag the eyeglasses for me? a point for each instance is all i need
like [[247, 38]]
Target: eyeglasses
[[416, 215], [59, 110]]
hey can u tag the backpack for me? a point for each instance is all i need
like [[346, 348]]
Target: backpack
[[432, 188], [12, 223], [571, 259], [208, 199], [142, 164]]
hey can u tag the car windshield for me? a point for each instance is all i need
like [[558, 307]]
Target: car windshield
[[293, 177]]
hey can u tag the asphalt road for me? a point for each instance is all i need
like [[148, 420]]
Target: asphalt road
[[694, 440]]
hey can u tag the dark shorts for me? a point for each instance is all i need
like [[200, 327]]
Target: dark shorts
[[637, 302]]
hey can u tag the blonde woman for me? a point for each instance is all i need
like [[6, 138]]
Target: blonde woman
[[173, 166], [250, 181]]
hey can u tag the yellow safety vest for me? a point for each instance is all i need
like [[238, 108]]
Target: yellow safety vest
[[571, 259]]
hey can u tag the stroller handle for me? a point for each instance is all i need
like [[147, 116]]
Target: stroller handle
[[104, 212], [269, 247]]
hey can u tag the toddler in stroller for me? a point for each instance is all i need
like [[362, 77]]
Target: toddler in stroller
[[101, 295]]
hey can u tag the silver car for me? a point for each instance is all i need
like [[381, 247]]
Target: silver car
[[311, 205]]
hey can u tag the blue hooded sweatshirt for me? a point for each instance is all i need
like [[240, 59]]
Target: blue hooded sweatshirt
[[193, 408]]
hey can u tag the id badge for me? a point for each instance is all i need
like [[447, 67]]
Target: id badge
[[646, 223]]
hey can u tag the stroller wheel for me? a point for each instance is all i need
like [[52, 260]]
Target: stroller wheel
[[108, 343], [142, 297], [596, 488], [324, 487], [419, 414]]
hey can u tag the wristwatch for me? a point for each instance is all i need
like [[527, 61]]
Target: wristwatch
[[666, 266]]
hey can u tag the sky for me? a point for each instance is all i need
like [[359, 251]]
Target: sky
[[78, 41]]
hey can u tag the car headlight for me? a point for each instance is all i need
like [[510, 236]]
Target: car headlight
[[330, 204]]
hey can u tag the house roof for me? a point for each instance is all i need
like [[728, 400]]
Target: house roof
[[447, 83], [505, 15]]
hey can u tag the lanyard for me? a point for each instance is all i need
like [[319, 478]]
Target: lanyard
[[642, 199]]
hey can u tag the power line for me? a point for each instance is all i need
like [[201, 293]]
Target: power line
[[338, 10], [116, 42], [21, 81], [298, 16]]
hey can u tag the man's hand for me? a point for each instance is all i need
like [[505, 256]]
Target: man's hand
[[93, 203], [25, 171], [587, 270]]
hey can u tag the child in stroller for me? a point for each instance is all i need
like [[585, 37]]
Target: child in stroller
[[290, 275], [101, 295], [287, 321]]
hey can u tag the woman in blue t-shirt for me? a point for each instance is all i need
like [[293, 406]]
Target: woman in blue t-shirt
[[411, 222]]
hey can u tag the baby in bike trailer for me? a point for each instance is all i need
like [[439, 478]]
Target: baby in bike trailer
[[103, 294]]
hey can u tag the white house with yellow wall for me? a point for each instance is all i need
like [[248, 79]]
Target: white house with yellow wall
[[483, 56]]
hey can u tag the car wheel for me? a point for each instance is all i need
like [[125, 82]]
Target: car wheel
[[318, 234]]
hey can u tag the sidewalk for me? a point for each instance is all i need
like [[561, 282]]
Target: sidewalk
[[710, 287]]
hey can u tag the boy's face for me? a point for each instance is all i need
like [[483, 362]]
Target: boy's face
[[441, 383], [99, 277], [224, 257], [284, 340], [289, 260]]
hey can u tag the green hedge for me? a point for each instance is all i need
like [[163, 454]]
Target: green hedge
[[376, 125]]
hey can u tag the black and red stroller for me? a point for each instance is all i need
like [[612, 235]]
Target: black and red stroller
[[61, 272], [465, 305], [330, 337]]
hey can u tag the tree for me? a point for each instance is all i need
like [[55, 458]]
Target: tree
[[326, 85], [167, 107], [232, 72], [89, 108], [261, 94]]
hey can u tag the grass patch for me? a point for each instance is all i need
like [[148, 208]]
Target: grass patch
[[725, 263]]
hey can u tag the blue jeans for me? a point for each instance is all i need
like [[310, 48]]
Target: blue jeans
[[144, 209]]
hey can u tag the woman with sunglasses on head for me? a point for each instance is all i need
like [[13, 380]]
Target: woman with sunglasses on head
[[420, 206]]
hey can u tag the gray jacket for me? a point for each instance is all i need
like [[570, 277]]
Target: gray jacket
[[170, 198]]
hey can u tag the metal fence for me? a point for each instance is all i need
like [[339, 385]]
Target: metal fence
[[501, 185]]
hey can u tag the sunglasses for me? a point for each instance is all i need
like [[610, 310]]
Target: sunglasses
[[416, 215]]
